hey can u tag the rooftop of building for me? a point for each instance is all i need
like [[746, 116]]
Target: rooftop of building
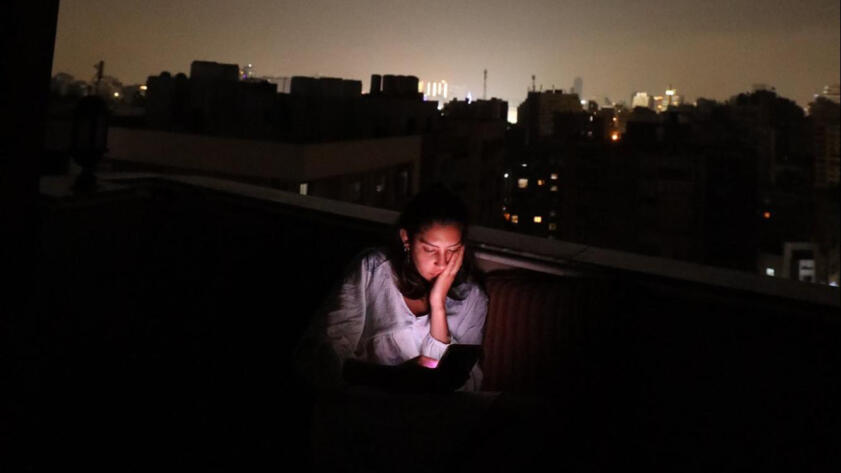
[[166, 308]]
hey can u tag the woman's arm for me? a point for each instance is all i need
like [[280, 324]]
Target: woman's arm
[[336, 329], [438, 298]]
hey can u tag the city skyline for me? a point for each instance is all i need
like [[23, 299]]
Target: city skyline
[[714, 50]]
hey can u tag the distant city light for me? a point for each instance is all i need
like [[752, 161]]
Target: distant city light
[[540, 182], [538, 219], [769, 271], [469, 97], [515, 218], [524, 165], [143, 87], [583, 102], [553, 189], [303, 188], [507, 216], [766, 215], [614, 136], [116, 94], [505, 175], [553, 176], [512, 115], [522, 183], [833, 283], [553, 226]]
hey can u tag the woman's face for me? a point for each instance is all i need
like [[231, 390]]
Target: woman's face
[[432, 248]]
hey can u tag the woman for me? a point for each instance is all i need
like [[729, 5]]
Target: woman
[[396, 312]]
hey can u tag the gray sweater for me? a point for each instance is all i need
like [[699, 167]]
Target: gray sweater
[[367, 319]]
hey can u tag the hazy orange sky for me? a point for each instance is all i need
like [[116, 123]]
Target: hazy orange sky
[[711, 48]]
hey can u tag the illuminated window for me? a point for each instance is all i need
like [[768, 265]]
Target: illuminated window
[[553, 189], [515, 219], [769, 271], [505, 175], [540, 182], [538, 219], [553, 176], [507, 216], [522, 183], [303, 188], [614, 136], [553, 226], [766, 215]]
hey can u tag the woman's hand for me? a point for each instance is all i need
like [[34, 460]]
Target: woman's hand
[[438, 293]]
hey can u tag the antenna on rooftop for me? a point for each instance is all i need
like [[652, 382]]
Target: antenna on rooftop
[[485, 87], [533, 87]]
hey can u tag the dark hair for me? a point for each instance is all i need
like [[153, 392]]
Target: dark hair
[[434, 205]]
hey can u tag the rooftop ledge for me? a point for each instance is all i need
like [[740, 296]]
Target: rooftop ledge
[[502, 249]]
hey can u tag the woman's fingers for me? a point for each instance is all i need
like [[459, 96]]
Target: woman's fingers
[[455, 261]]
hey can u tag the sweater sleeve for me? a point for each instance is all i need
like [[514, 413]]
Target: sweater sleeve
[[336, 329]]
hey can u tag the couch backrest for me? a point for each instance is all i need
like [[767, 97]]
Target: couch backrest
[[546, 334]]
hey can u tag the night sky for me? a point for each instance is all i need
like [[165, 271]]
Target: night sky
[[711, 48]]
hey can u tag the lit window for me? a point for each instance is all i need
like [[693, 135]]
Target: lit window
[[540, 182], [769, 271], [507, 216], [505, 175], [524, 165], [766, 215], [303, 188], [553, 189], [538, 219], [522, 183], [614, 136], [553, 226], [515, 218], [553, 176]]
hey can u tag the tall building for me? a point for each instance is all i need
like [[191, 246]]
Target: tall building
[[578, 87], [537, 113], [468, 152], [826, 128], [438, 91], [642, 99], [672, 98]]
